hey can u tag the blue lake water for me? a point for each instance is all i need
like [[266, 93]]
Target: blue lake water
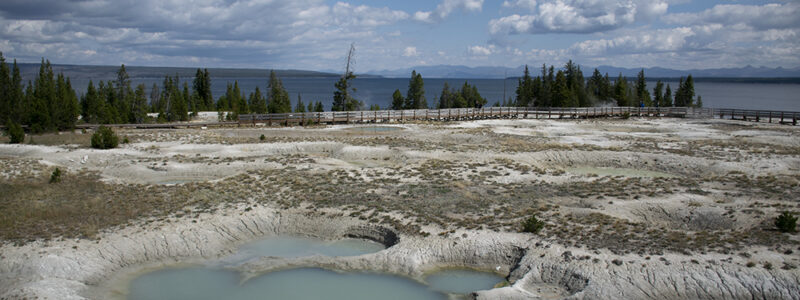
[[379, 90]]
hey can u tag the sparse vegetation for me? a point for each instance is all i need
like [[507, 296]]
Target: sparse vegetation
[[15, 132], [786, 222], [532, 225], [104, 138], [55, 177]]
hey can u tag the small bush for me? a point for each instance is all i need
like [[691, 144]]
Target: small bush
[[15, 132], [626, 115], [786, 222], [55, 177], [532, 225], [262, 138], [125, 140], [104, 138]]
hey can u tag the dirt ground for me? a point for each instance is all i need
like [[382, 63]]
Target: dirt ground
[[641, 186]]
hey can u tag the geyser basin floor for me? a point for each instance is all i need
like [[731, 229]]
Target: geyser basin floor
[[304, 283]]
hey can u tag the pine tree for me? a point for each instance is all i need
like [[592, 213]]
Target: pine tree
[[140, 108], [444, 97], [621, 91], [16, 96], [658, 94], [699, 103], [415, 97], [545, 95], [310, 106], [525, 93], [595, 85], [300, 108], [398, 100], [667, 97], [5, 91], [278, 99], [318, 107], [258, 104], [43, 99], [642, 95], [575, 83], [562, 96]]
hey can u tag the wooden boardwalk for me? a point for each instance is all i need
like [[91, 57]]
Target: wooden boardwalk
[[458, 114]]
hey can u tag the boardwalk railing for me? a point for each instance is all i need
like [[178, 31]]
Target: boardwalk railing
[[455, 114], [386, 116], [783, 117]]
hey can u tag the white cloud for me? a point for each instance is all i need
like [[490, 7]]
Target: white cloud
[[410, 52], [446, 8], [577, 16], [768, 16], [300, 33], [481, 50], [524, 4]]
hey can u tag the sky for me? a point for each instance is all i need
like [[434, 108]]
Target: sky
[[316, 34]]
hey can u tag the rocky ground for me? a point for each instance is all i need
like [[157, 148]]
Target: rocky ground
[[638, 208]]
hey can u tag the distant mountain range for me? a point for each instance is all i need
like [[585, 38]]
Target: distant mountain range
[[448, 71]]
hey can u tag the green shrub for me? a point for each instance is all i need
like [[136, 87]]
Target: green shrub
[[126, 140], [56, 176], [15, 132], [532, 225], [262, 138], [786, 222], [104, 138], [626, 115]]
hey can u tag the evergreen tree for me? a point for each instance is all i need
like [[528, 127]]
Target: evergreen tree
[[258, 104], [155, 98], [545, 95], [642, 95], [240, 105], [595, 86], [575, 84], [415, 97], [16, 97], [300, 108], [202, 88], [43, 100], [525, 90], [140, 108], [342, 99], [318, 107], [398, 100], [699, 103], [685, 93], [444, 99], [562, 95], [5, 91], [67, 109], [621, 91], [472, 97], [667, 97], [374, 107], [310, 106], [124, 96], [278, 99], [658, 93]]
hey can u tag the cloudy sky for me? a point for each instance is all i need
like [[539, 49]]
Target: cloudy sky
[[316, 34]]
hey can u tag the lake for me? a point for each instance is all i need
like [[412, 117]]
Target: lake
[[766, 96]]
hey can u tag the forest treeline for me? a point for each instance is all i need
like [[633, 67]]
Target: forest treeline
[[49, 103]]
